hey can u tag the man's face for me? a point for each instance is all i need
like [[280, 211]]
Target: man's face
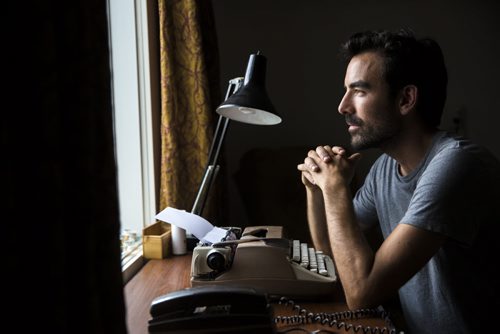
[[370, 112]]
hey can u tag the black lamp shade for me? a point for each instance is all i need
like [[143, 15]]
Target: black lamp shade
[[251, 104]]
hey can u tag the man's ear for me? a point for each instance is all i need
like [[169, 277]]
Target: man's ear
[[408, 99]]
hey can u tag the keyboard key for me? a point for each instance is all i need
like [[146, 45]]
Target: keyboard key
[[296, 250], [304, 255], [330, 267], [320, 257], [313, 264]]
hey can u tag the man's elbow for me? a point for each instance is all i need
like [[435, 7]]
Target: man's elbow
[[361, 299]]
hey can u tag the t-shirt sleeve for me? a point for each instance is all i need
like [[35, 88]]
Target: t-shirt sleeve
[[448, 196]]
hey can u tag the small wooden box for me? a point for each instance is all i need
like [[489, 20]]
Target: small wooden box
[[156, 241]]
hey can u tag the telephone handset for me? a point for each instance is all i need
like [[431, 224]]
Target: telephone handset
[[212, 309]]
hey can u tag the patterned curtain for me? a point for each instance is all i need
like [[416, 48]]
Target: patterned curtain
[[189, 95]]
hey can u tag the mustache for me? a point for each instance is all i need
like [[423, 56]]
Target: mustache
[[353, 120]]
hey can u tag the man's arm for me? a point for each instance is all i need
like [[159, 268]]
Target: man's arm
[[317, 220], [316, 213], [368, 278]]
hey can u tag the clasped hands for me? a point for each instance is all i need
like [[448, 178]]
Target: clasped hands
[[326, 167]]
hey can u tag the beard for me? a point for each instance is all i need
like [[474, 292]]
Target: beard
[[379, 134]]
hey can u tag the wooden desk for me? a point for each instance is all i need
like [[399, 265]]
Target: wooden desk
[[159, 277]]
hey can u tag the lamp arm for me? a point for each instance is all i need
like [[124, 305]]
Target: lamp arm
[[211, 169]]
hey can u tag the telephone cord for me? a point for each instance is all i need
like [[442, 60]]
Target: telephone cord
[[334, 319]]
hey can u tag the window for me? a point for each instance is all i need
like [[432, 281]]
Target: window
[[134, 123]]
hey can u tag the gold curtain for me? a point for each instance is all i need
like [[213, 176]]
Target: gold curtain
[[189, 93]]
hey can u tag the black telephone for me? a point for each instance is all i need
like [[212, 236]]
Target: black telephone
[[212, 309]]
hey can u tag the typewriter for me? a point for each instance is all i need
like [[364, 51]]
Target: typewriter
[[261, 257]]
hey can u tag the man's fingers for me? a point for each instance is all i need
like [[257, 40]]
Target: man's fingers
[[327, 152], [324, 152], [307, 167], [339, 150], [310, 160], [309, 177], [305, 173], [354, 157]]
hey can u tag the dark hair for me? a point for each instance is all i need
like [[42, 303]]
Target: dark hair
[[408, 61]]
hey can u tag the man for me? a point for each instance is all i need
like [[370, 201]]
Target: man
[[436, 197]]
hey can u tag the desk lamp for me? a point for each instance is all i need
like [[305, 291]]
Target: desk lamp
[[246, 101]]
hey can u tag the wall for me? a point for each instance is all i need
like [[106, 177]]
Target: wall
[[305, 78]]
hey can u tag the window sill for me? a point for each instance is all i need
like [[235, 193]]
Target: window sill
[[132, 263]]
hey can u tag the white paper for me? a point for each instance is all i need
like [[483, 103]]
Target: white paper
[[192, 223], [215, 235]]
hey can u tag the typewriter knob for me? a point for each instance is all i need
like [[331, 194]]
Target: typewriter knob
[[216, 260]]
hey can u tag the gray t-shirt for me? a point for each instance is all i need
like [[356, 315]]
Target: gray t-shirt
[[455, 191]]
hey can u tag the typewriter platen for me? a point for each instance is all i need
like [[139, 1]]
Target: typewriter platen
[[262, 258]]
